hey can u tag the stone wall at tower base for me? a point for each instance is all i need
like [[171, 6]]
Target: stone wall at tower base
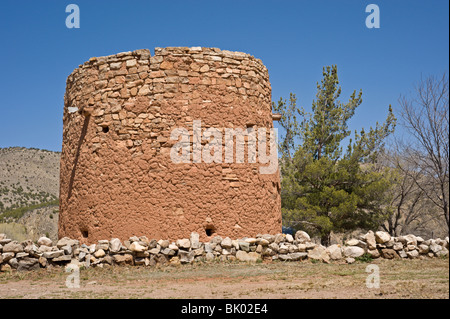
[[140, 251]]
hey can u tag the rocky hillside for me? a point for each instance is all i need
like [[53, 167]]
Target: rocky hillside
[[29, 191]]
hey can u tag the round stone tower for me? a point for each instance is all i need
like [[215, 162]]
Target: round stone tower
[[118, 173]]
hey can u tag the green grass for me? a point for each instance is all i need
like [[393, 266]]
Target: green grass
[[15, 214]]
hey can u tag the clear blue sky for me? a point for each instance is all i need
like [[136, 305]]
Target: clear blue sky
[[294, 39]]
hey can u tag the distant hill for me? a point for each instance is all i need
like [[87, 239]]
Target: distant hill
[[29, 192]]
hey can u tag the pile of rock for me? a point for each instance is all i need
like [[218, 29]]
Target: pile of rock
[[142, 251]]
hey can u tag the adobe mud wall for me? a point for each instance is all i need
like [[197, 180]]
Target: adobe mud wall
[[117, 176]]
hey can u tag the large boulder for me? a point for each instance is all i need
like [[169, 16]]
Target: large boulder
[[370, 240], [123, 259], [45, 241], [335, 252], [186, 257], [424, 249], [184, 243], [289, 238], [195, 240], [13, 247], [435, 248], [115, 245], [374, 253], [353, 251], [412, 254], [137, 248], [283, 249], [227, 243], [382, 237], [411, 240], [243, 245], [319, 253], [247, 257], [302, 237], [389, 253]]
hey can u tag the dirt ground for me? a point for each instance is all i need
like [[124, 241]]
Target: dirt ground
[[398, 279]]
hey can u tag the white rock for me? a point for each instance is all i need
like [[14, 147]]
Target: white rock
[[115, 245], [280, 238], [283, 249], [353, 251], [100, 253], [424, 249], [92, 248], [410, 240], [44, 249], [302, 237], [241, 255], [382, 237], [249, 257], [136, 247], [13, 247], [264, 242], [352, 242], [155, 251], [370, 239], [435, 248], [45, 241], [227, 243], [163, 243], [412, 254], [186, 257], [243, 245], [335, 252], [319, 253], [289, 238], [195, 240], [184, 243]]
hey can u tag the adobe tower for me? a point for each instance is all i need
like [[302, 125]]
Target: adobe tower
[[118, 178]]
